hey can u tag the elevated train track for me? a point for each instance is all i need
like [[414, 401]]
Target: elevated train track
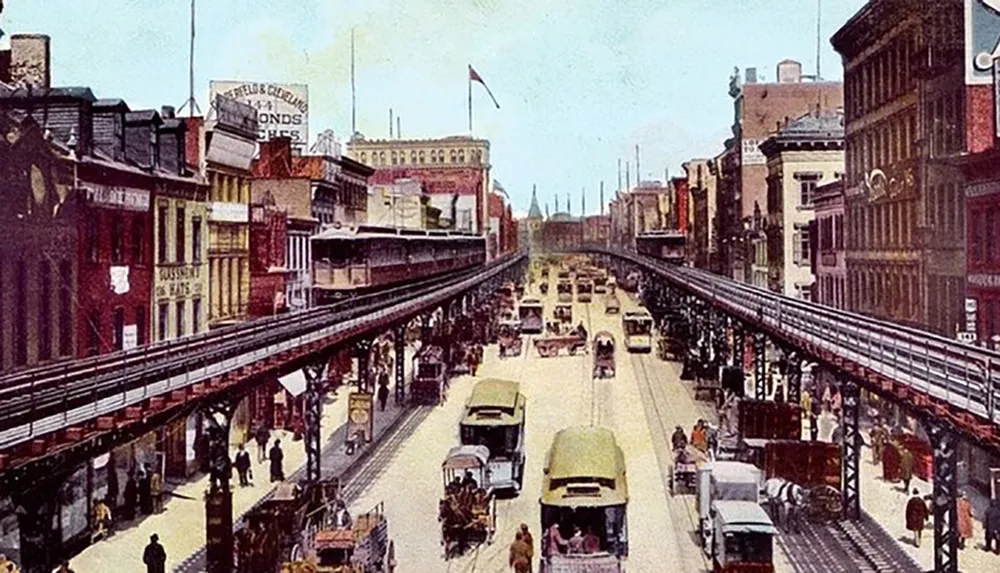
[[947, 380], [77, 395]]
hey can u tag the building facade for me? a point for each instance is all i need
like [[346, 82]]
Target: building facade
[[530, 228], [915, 101], [827, 238], [402, 204], [701, 184], [804, 154], [268, 241], [759, 110], [650, 206], [454, 172]]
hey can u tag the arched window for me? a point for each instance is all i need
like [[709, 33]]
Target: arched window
[[393, 157], [413, 157], [440, 156], [461, 156], [421, 156], [381, 158], [452, 156], [363, 157]]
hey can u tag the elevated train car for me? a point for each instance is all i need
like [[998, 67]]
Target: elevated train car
[[350, 262], [669, 245]]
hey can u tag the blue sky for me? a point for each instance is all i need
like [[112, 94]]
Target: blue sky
[[579, 82]]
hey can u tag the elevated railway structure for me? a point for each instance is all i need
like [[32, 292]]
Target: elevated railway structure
[[58, 416], [953, 388]]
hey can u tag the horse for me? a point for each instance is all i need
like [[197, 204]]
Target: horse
[[785, 499]]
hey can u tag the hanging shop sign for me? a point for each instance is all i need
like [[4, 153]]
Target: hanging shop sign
[[125, 198]]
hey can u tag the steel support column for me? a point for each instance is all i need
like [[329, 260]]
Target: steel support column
[[760, 366], [399, 340], [36, 510], [944, 442], [364, 349], [314, 413], [739, 345], [219, 499], [794, 390], [851, 448]]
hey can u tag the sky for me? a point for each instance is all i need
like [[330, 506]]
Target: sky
[[580, 83]]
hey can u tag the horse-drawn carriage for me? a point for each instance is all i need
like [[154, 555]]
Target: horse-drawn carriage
[[563, 313], [509, 339], [611, 303], [550, 345], [671, 337], [604, 355], [430, 376], [564, 290], [468, 510], [684, 472]]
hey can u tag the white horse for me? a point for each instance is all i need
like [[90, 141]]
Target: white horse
[[786, 500]]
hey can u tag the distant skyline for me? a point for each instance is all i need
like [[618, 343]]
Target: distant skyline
[[579, 84]]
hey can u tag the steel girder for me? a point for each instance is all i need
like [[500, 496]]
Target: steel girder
[[35, 513], [313, 414], [944, 441], [739, 345], [364, 349], [760, 365], [399, 340], [793, 391], [851, 447]]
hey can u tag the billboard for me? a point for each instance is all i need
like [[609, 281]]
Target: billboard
[[282, 109]]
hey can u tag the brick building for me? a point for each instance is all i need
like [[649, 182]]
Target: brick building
[[759, 109], [914, 102], [268, 241], [597, 230], [826, 233], [701, 185]]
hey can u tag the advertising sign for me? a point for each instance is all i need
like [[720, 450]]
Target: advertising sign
[[752, 154], [130, 337], [119, 197], [282, 109], [982, 39], [239, 117], [360, 421]]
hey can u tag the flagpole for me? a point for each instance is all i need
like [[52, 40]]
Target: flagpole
[[469, 76]]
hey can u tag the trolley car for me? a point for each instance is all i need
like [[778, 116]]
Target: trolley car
[[494, 418], [638, 327]]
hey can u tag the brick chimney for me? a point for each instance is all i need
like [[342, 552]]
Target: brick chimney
[[30, 60], [275, 158]]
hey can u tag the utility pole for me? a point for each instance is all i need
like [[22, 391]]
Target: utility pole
[[190, 104], [354, 92]]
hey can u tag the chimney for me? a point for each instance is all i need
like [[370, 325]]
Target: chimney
[[168, 112], [751, 76], [30, 60]]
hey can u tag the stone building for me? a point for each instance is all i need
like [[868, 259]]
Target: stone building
[[454, 172], [826, 233], [759, 110], [801, 156], [916, 98]]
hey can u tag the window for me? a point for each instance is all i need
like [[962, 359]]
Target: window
[[363, 157], [807, 189], [180, 318], [838, 233], [44, 311], [461, 156], [413, 157], [117, 240], [93, 237], [65, 308], [93, 333], [196, 239], [196, 316], [119, 334], [239, 285], [421, 156], [800, 246], [453, 156], [161, 232], [179, 236], [140, 325], [393, 157], [161, 322], [138, 240]]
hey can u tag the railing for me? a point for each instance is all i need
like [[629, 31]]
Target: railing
[[48, 398], [964, 376]]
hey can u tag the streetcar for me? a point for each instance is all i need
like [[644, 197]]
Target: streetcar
[[584, 488], [743, 538], [666, 245], [531, 312], [494, 418], [584, 291], [638, 328], [564, 291]]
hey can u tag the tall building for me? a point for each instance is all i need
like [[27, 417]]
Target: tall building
[[454, 172], [701, 184], [827, 243], [760, 108], [650, 206], [801, 156], [531, 226], [918, 96]]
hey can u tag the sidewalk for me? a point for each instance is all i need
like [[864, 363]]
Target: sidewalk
[[181, 524]]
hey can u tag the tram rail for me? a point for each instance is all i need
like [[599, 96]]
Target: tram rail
[[49, 398]]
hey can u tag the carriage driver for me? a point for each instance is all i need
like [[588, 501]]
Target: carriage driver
[[679, 439]]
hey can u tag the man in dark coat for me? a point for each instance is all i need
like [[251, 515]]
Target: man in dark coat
[[145, 492], [276, 456], [905, 466], [261, 436], [991, 523], [154, 556], [131, 497], [242, 464], [383, 395], [916, 516]]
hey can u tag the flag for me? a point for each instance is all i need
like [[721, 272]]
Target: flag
[[475, 77]]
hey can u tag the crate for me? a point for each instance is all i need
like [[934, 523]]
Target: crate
[[808, 464]]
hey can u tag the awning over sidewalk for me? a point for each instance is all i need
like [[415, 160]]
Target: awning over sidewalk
[[295, 382]]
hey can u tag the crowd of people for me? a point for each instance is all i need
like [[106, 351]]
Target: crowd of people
[[464, 512]]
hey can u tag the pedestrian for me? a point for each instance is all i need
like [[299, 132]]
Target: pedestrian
[[576, 542], [699, 438], [679, 439], [529, 541], [145, 495], [519, 558], [916, 516], [905, 466], [242, 464], [814, 420], [555, 543], [131, 497], [155, 557], [64, 567], [156, 491], [6, 565], [276, 456], [991, 523], [878, 438], [964, 506], [391, 556], [383, 395], [102, 519], [262, 436]]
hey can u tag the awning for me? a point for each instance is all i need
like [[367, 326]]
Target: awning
[[295, 382]]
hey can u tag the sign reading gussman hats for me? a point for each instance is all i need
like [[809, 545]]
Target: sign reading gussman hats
[[282, 109]]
